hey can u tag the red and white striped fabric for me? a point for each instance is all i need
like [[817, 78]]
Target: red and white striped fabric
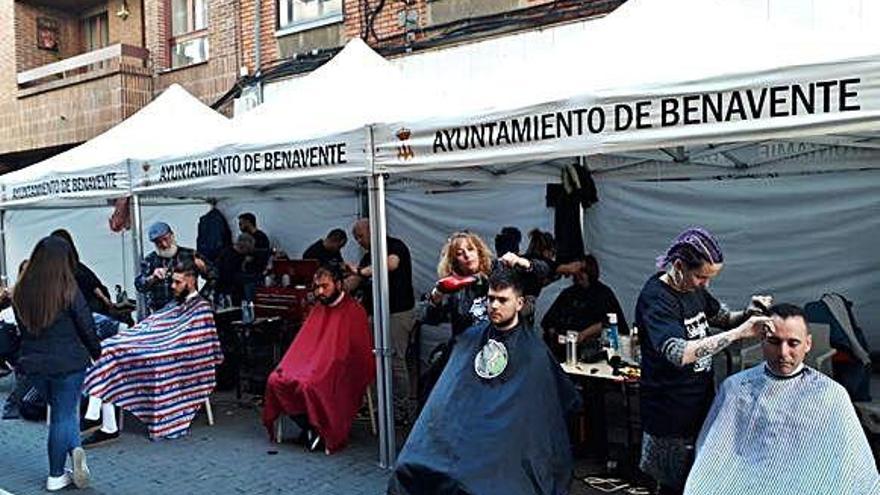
[[162, 369]]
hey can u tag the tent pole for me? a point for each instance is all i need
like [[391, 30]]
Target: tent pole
[[137, 249], [376, 255], [379, 262]]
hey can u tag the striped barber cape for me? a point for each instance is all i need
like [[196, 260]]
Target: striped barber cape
[[796, 435], [162, 369]]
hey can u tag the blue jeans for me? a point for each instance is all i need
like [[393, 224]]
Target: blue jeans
[[62, 393]]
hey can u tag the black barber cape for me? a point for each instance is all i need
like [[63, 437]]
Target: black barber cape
[[504, 435]]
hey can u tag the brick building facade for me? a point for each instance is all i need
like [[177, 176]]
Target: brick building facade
[[72, 69]]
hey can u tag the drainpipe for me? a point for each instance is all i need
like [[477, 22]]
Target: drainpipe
[[258, 20]]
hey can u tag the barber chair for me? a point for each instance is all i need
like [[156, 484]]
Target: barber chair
[[368, 398]]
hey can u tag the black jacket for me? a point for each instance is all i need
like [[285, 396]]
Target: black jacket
[[65, 346], [158, 293], [469, 306], [87, 282]]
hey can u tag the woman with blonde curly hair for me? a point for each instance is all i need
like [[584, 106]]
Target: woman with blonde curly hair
[[464, 253], [459, 296]]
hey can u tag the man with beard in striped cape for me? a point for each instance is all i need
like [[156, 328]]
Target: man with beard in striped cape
[[161, 370], [782, 427]]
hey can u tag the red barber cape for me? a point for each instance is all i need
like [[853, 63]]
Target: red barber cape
[[325, 372]]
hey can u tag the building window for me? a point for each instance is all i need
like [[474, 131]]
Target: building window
[[189, 32], [95, 32], [95, 35], [298, 15]]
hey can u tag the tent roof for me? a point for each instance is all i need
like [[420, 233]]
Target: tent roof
[[314, 127], [645, 44], [173, 124], [355, 88], [646, 50]]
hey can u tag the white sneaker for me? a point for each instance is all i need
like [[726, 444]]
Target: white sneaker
[[81, 472], [55, 483]]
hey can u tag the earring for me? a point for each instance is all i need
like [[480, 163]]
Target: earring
[[675, 276]]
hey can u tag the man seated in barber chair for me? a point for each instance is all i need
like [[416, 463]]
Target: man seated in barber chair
[[161, 370], [324, 374]]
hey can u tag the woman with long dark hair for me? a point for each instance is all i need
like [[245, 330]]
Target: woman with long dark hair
[[58, 338]]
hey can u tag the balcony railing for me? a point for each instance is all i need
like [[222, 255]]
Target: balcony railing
[[79, 65]]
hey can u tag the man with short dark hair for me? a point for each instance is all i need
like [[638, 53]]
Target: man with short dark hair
[[247, 223], [322, 378], [161, 370], [154, 280], [328, 249], [782, 427], [496, 420], [583, 307]]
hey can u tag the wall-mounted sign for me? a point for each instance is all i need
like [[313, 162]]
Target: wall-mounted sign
[[47, 34]]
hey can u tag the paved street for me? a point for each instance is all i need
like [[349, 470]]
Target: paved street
[[234, 456]]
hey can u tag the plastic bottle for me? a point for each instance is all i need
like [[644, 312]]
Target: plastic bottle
[[247, 308], [635, 345], [613, 334]]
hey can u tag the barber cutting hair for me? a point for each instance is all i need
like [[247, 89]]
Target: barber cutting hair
[[154, 280], [675, 311]]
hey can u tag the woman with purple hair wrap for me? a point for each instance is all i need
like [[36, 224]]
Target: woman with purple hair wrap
[[674, 312]]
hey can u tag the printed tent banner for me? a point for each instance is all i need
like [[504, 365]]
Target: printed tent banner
[[651, 74], [231, 167], [314, 126], [174, 123], [833, 98]]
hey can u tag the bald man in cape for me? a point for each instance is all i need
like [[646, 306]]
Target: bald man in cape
[[782, 427]]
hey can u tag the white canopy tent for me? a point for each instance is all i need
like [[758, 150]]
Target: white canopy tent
[[173, 124], [548, 96], [718, 85], [316, 128], [71, 190], [743, 79], [312, 144]]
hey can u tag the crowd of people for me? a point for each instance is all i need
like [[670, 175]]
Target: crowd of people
[[490, 413]]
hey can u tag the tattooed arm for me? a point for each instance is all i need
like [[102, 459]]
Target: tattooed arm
[[726, 319], [682, 352]]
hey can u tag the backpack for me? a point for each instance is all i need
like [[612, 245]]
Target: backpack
[[852, 368], [10, 341]]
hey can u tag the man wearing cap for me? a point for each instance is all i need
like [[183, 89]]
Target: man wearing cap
[[154, 280]]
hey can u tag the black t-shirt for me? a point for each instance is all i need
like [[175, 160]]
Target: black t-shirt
[[317, 251], [400, 288], [262, 249], [674, 401], [578, 307]]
